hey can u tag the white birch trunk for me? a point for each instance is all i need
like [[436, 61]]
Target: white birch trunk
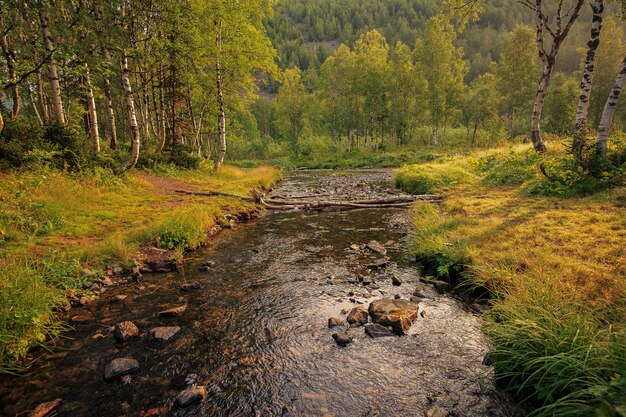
[[132, 115], [609, 110], [221, 118], [55, 88]]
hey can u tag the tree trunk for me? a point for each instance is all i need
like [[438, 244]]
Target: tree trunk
[[91, 110], [163, 126], [540, 98], [474, 134], [9, 57], [1, 123], [609, 110], [33, 104], [221, 117], [53, 75], [435, 135], [41, 94], [590, 60], [132, 115]]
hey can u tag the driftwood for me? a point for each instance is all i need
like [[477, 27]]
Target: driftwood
[[216, 194], [307, 203], [389, 202]]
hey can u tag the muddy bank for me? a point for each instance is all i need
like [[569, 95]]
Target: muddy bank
[[253, 336]]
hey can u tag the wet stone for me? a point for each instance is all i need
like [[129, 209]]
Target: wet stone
[[342, 338], [172, 312], [118, 298], [357, 317], [190, 396], [120, 367], [375, 330], [396, 281], [376, 247], [334, 322], [163, 334], [125, 331], [381, 263], [398, 314]]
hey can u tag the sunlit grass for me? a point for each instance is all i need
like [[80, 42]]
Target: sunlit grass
[[557, 270], [52, 224]]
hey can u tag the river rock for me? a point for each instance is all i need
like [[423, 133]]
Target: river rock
[[190, 286], [119, 367], [334, 322], [375, 330], [118, 298], [172, 312], [357, 317], [163, 334], [436, 412], [381, 263], [45, 409], [125, 331], [396, 281], [376, 247], [440, 286], [190, 396], [342, 338], [398, 314]]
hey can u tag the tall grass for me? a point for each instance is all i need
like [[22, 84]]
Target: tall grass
[[431, 177]]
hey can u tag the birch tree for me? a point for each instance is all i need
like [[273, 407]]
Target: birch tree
[[609, 110], [566, 14]]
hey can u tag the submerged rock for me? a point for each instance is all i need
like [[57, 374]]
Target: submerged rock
[[125, 331], [436, 412], [375, 330], [381, 263], [398, 314], [119, 367], [357, 317], [376, 247], [190, 396], [190, 286], [163, 334], [342, 338], [334, 322], [45, 409], [172, 312]]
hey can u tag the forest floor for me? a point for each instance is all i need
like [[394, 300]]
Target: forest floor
[[554, 266], [59, 232]]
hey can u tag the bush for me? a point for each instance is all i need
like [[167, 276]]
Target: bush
[[187, 231], [511, 168]]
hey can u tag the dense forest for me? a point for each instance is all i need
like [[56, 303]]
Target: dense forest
[[134, 133]]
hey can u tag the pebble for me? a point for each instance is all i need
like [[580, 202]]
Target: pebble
[[125, 331], [119, 367], [190, 396]]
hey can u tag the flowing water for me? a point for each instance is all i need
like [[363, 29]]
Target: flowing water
[[256, 336]]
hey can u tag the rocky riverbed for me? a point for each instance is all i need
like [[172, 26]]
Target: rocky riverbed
[[296, 314]]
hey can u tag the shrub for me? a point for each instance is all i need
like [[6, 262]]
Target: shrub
[[188, 231], [510, 168]]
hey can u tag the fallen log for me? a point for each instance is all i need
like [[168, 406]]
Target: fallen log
[[316, 205], [374, 202]]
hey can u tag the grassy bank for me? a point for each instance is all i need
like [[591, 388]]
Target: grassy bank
[[54, 225], [555, 265]]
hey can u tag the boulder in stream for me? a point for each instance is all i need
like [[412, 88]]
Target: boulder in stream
[[397, 314], [375, 330], [120, 367], [357, 316], [342, 338], [190, 396], [125, 331]]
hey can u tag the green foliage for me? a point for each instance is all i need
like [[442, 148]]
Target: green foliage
[[508, 168], [431, 178], [186, 231], [586, 174]]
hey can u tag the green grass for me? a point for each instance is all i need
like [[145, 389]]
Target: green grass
[[555, 266], [54, 224]]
